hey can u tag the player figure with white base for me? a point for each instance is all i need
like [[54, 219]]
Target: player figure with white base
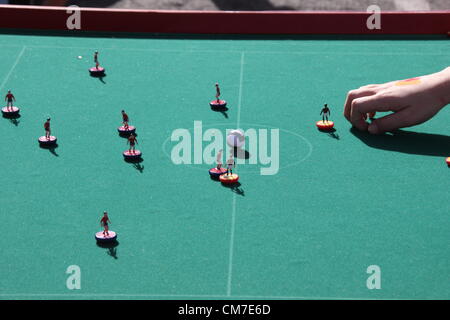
[[9, 98], [106, 235], [218, 103], [10, 110]]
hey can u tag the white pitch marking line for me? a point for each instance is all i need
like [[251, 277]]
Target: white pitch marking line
[[230, 259], [248, 297], [412, 5], [5, 80], [241, 77], [233, 211]]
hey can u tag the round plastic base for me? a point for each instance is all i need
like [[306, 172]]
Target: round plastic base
[[103, 238], [132, 155], [10, 111], [236, 139], [229, 179], [45, 142], [216, 173], [218, 104], [325, 125], [122, 130], [97, 71]]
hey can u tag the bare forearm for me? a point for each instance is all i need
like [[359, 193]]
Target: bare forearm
[[443, 86]]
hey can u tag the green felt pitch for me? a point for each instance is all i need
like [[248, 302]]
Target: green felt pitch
[[338, 202]]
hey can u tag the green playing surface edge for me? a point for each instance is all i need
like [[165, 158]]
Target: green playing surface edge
[[335, 207]]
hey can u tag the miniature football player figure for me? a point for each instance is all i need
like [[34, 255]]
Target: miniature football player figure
[[47, 129], [96, 59], [230, 164], [325, 113], [132, 141], [219, 159], [217, 93], [9, 98], [125, 120], [104, 223], [217, 104]]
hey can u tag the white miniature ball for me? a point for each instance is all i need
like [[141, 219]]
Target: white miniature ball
[[236, 139]]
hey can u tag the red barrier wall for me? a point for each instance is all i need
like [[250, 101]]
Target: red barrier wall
[[224, 22]]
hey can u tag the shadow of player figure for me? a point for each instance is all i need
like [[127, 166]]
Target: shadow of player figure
[[250, 5], [236, 188], [99, 77], [332, 133], [139, 167], [241, 153], [409, 142], [52, 149], [112, 248], [53, 152], [14, 121], [222, 110], [112, 252]]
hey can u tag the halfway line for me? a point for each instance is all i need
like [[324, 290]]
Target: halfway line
[[233, 211], [240, 90], [230, 265]]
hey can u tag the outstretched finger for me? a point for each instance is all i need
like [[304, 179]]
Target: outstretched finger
[[355, 94], [390, 122], [360, 107]]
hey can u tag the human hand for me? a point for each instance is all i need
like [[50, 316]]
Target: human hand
[[412, 101]]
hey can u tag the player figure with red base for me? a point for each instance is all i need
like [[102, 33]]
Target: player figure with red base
[[325, 113], [132, 154], [125, 129], [47, 129], [217, 92], [216, 172], [132, 141], [229, 177], [325, 124], [106, 236], [9, 98], [125, 120], [96, 60], [219, 160], [230, 164], [97, 70], [48, 139], [218, 103], [104, 223]]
